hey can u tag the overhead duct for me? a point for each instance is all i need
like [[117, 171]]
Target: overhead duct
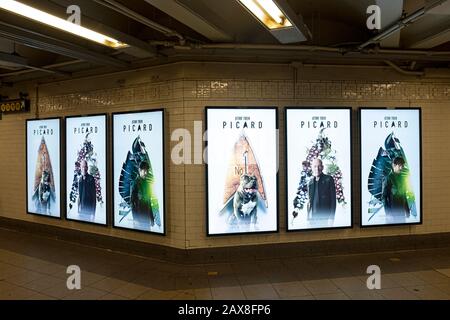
[[432, 41], [12, 61], [188, 17], [399, 25], [120, 8]]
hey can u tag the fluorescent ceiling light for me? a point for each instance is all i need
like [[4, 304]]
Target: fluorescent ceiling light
[[268, 13], [55, 22]]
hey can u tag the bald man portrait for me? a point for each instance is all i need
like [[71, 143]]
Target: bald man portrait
[[87, 200], [322, 194]]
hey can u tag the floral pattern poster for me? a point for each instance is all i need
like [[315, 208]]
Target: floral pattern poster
[[86, 194], [319, 174]]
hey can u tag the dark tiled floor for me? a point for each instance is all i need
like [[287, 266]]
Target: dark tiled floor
[[35, 268]]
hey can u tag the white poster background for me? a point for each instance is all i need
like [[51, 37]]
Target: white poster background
[[298, 141], [74, 142], [122, 143], [53, 146], [373, 138], [220, 148]]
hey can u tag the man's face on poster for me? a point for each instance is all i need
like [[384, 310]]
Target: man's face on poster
[[317, 167], [84, 168], [143, 173], [397, 168]]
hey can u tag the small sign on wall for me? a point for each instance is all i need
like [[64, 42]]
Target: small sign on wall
[[14, 106]]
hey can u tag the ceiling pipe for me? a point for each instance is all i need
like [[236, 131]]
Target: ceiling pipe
[[402, 71], [61, 73], [342, 51], [244, 46], [270, 47], [120, 8], [46, 68], [416, 52], [429, 73], [331, 65], [400, 24]]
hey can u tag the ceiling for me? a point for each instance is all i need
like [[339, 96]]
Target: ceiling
[[162, 31]]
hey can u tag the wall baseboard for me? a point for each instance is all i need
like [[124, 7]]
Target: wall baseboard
[[245, 253]]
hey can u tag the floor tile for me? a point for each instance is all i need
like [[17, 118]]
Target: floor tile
[[40, 296], [350, 284], [259, 292], [203, 294], [403, 279], [151, 294], [184, 295], [86, 293], [110, 296], [332, 296], [291, 289], [58, 291], [36, 270], [24, 277], [17, 293], [429, 292], [364, 295], [108, 284], [43, 283], [130, 290], [397, 294], [431, 276], [310, 297], [445, 271], [318, 287], [228, 293], [223, 281]]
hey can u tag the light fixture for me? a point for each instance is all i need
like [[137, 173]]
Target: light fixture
[[268, 13], [56, 22]]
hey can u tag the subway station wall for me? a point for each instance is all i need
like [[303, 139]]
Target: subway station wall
[[185, 89]]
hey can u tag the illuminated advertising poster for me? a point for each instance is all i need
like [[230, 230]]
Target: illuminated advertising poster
[[390, 166], [138, 153], [319, 174], [242, 170], [43, 167], [86, 169]]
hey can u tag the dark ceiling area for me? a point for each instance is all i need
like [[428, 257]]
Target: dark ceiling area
[[414, 35]]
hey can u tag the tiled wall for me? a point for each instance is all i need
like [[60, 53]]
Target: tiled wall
[[184, 89]]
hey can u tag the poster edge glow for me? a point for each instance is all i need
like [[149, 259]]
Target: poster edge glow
[[106, 162], [163, 158], [351, 119], [420, 222], [275, 110], [59, 216]]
